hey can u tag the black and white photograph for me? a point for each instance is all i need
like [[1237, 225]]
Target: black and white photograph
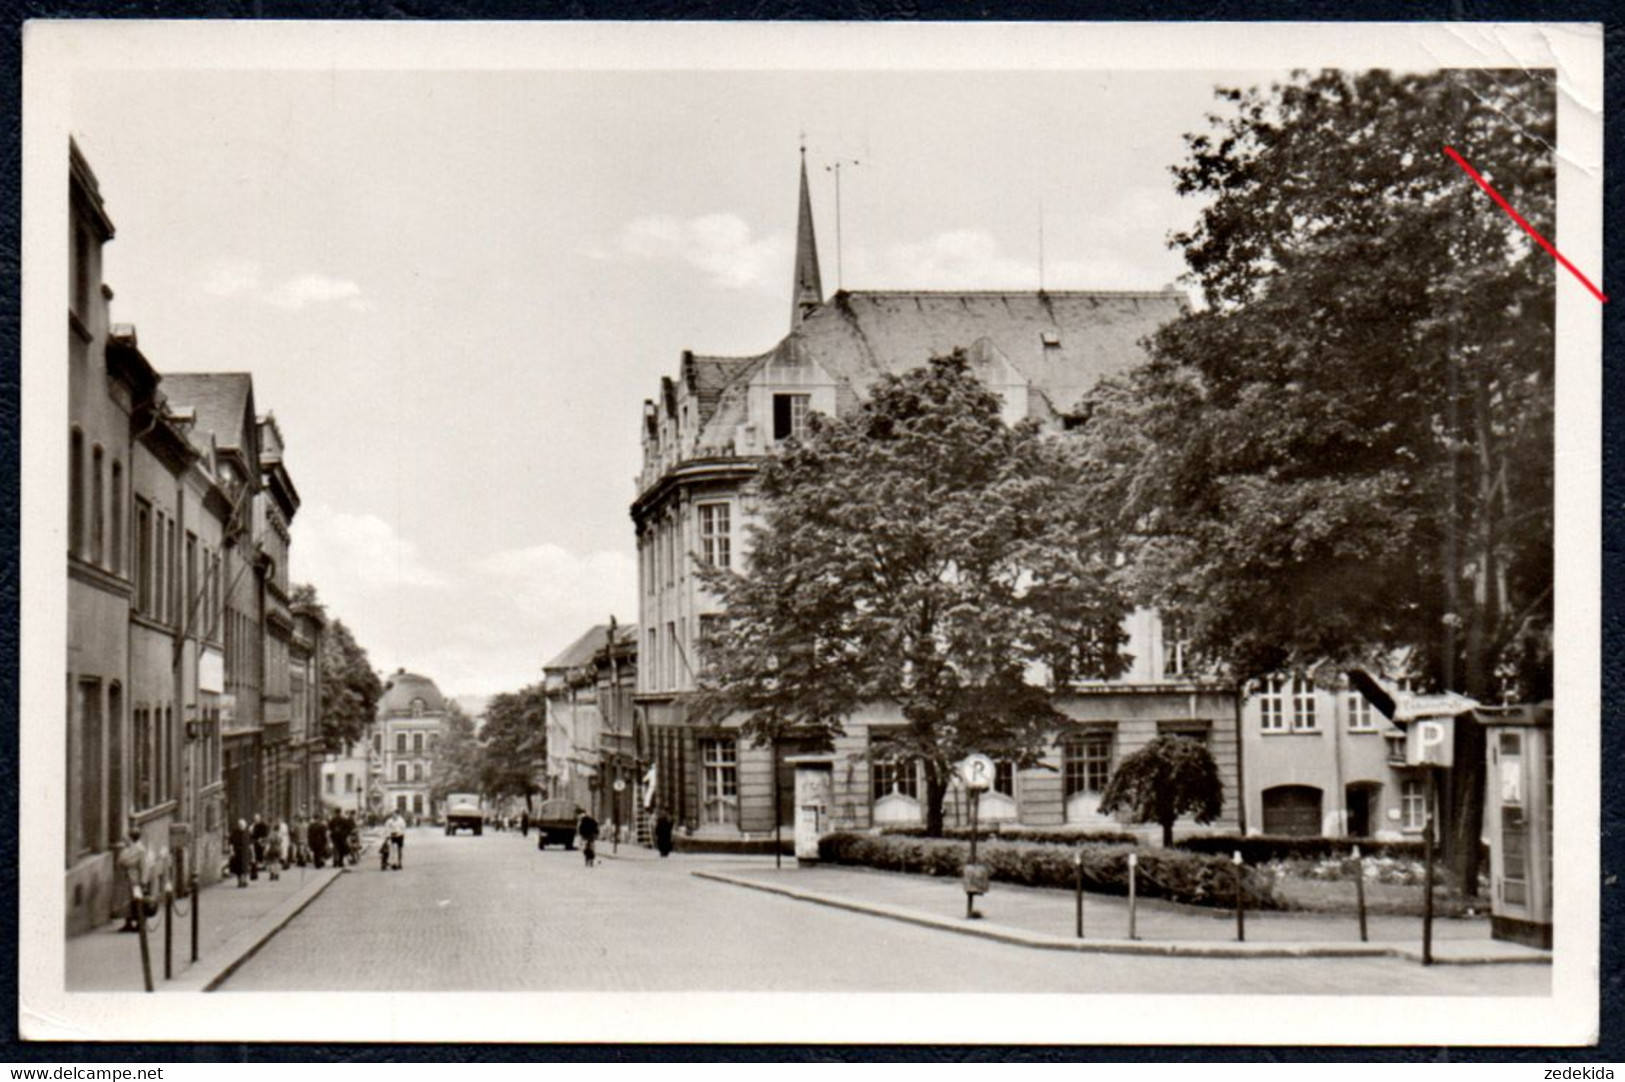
[[817, 532]]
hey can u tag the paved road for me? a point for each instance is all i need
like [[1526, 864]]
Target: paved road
[[493, 914]]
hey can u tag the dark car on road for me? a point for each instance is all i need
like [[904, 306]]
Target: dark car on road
[[555, 822]]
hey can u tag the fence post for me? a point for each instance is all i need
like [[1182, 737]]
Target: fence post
[[1241, 902], [194, 916], [141, 930], [1133, 865], [1079, 861], [169, 933], [1359, 890]]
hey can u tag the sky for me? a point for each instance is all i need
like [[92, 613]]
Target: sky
[[456, 289]]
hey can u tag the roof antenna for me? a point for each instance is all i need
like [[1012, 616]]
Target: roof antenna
[[836, 169], [1040, 244]]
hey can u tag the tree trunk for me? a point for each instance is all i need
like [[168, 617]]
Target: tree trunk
[[1167, 833], [936, 788]]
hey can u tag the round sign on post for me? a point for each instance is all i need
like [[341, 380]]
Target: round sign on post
[[976, 771], [620, 785]]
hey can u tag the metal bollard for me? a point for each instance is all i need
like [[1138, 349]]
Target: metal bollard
[[194, 916], [1241, 902], [141, 931], [1079, 890], [1133, 902], [1359, 890]]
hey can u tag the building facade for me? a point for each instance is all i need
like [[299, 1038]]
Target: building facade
[[410, 715], [704, 438], [594, 739], [167, 568]]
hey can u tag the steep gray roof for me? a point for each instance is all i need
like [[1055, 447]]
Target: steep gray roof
[[221, 399]]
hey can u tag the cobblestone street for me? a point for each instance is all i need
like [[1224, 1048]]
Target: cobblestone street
[[492, 913]]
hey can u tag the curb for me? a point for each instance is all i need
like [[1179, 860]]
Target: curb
[[208, 975], [1172, 948]]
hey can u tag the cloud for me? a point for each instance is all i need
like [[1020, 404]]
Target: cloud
[[721, 246], [567, 590], [298, 291], [242, 278], [356, 554]]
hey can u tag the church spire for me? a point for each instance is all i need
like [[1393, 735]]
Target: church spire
[[808, 292]]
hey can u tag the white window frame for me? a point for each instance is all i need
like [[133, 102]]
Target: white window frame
[[719, 780], [716, 533], [1413, 812], [1272, 704], [1362, 718], [1305, 706]]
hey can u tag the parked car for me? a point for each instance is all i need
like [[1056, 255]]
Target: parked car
[[555, 822]]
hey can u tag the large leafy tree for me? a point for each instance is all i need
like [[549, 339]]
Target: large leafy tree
[[1347, 453], [350, 687], [920, 554], [1169, 777], [514, 755], [458, 755]]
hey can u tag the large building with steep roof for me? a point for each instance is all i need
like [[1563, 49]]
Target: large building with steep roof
[[411, 713], [706, 435]]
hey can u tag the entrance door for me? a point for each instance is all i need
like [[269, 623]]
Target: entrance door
[[1292, 810], [1361, 799]]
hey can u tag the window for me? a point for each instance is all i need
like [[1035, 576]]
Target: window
[[160, 555], [1086, 762], [1361, 717], [417, 803], [400, 743], [189, 602], [417, 771], [671, 655], [1303, 705], [1413, 805], [400, 771], [143, 557], [114, 809], [378, 743], [417, 712], [115, 548], [349, 782], [888, 778], [142, 736], [400, 802], [417, 743], [1176, 660], [1004, 778], [654, 660], [89, 709], [790, 416], [714, 536], [1271, 704], [719, 760], [1199, 731], [76, 493], [81, 273], [98, 524], [330, 783]]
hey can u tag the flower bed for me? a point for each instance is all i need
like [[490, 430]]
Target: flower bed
[[1191, 878], [1022, 834]]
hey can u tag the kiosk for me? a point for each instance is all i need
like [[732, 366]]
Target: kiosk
[[1518, 821], [815, 777]]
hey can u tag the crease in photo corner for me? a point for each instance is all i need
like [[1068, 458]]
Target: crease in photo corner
[[67, 1023]]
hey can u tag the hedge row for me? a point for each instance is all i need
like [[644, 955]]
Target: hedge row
[[1024, 834], [1262, 848], [1163, 873]]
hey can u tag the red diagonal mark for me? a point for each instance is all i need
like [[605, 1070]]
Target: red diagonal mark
[[1527, 228]]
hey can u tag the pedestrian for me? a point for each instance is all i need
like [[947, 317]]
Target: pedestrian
[[135, 863], [396, 829], [352, 830], [663, 831], [299, 853], [587, 830], [283, 840], [338, 832], [242, 852], [275, 854], [318, 841], [524, 823], [258, 833]]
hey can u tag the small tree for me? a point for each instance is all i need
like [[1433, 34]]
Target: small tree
[[1169, 777], [458, 756], [350, 688], [514, 743]]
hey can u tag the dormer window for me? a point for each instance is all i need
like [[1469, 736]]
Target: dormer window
[[790, 416], [417, 708]]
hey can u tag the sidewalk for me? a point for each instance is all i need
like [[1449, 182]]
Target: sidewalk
[[232, 925], [1046, 918]]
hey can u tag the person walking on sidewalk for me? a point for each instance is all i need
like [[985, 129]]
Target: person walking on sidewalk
[[242, 852], [587, 830], [318, 842], [258, 833], [396, 829], [663, 828], [297, 836], [339, 831], [135, 864]]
